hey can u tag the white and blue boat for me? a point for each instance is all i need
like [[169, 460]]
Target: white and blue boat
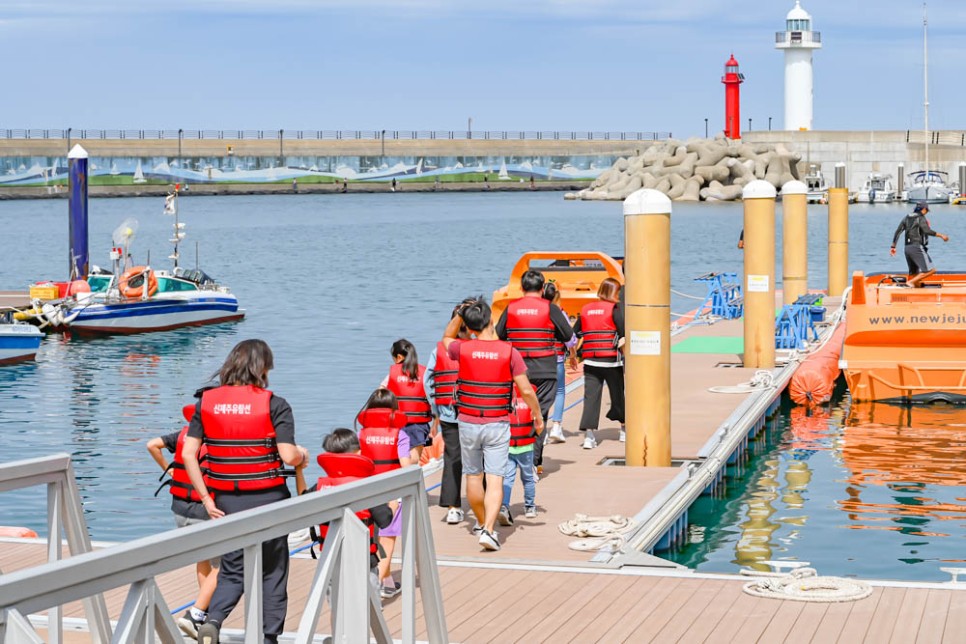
[[18, 342]]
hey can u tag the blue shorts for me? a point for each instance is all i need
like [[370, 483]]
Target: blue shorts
[[418, 434]]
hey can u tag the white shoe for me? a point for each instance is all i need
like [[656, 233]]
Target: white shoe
[[590, 442], [556, 434], [489, 541], [454, 516], [623, 437]]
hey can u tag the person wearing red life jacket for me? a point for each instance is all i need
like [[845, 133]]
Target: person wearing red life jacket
[[439, 380], [533, 325], [383, 440], [188, 510], [405, 380], [600, 329], [488, 369], [249, 434], [343, 463], [523, 436]]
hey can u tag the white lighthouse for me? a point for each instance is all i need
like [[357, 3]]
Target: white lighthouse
[[798, 40]]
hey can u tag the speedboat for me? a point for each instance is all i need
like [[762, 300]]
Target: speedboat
[[141, 300], [930, 187], [577, 274], [18, 342], [877, 188], [816, 186], [905, 338]]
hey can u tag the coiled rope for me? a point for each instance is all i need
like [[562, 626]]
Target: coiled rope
[[804, 585], [761, 380], [596, 533]]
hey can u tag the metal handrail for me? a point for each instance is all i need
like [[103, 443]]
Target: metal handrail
[[139, 562], [65, 515], [361, 135]]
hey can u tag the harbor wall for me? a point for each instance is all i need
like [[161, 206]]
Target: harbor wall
[[871, 151]]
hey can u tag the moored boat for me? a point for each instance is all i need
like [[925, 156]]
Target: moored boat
[[578, 275], [816, 186], [18, 342], [906, 338], [930, 187], [877, 188]]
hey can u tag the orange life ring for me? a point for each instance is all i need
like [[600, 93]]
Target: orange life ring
[[131, 283], [23, 533]]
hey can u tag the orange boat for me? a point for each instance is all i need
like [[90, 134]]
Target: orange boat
[[906, 338], [577, 274]]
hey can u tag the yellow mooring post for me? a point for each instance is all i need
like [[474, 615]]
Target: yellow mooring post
[[838, 234], [647, 321], [794, 241], [759, 292]]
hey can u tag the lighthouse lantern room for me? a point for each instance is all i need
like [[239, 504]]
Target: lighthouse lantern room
[[732, 79]]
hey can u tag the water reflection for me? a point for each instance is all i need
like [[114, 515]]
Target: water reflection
[[866, 489]]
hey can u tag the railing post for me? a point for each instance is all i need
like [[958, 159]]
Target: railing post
[[55, 502], [408, 570], [253, 594], [352, 621]]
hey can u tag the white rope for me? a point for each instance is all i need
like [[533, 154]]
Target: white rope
[[804, 585], [688, 295], [597, 533], [761, 380]]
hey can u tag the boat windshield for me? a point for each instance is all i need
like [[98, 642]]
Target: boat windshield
[[99, 283], [173, 285]]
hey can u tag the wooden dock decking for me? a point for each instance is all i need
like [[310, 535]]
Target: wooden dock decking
[[536, 589]]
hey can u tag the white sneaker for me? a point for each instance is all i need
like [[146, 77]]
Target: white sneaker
[[505, 518], [530, 513], [454, 516], [590, 442], [556, 434], [490, 541], [623, 437]]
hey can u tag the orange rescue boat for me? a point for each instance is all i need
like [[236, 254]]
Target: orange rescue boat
[[577, 274], [906, 338]]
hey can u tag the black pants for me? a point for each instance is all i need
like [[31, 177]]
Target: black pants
[[231, 576], [449, 493], [594, 379], [546, 392], [917, 258]]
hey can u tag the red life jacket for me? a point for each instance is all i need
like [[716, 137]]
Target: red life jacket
[[444, 377], [410, 394], [485, 385], [342, 469], [521, 424], [242, 454], [179, 482], [529, 327], [379, 437], [599, 332]]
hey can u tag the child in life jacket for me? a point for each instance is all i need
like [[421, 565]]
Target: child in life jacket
[[405, 380], [187, 509], [343, 464], [381, 439], [523, 436]]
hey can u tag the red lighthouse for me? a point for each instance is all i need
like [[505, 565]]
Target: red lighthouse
[[732, 79]]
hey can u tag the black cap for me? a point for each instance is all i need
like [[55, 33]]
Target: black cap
[[921, 206]]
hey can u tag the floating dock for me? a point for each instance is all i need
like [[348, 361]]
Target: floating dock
[[537, 589]]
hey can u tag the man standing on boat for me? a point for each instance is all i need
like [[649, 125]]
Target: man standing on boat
[[917, 233], [532, 324]]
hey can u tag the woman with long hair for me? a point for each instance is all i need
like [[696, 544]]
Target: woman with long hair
[[249, 433], [600, 328]]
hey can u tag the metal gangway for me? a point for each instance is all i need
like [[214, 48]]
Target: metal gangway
[[341, 575]]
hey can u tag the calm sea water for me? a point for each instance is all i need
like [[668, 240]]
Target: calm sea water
[[330, 281]]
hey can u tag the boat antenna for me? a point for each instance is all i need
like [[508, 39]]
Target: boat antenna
[[197, 265], [925, 90], [171, 208]]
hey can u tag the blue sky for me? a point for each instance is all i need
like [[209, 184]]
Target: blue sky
[[430, 64]]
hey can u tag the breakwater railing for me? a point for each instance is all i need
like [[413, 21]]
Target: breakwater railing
[[336, 135], [342, 571]]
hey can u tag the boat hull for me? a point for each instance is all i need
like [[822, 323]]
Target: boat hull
[[929, 194], [906, 344], [153, 315], [18, 342]]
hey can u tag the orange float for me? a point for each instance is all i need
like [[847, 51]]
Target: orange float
[[433, 451], [131, 283], [21, 533], [814, 381]]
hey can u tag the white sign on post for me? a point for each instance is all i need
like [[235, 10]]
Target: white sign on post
[[645, 343], [757, 284]]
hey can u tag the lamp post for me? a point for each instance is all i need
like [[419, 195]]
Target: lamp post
[[383, 144], [705, 128], [749, 125], [469, 128], [769, 124], [68, 139]]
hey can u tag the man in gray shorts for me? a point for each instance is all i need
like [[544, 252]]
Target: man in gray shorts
[[488, 369]]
